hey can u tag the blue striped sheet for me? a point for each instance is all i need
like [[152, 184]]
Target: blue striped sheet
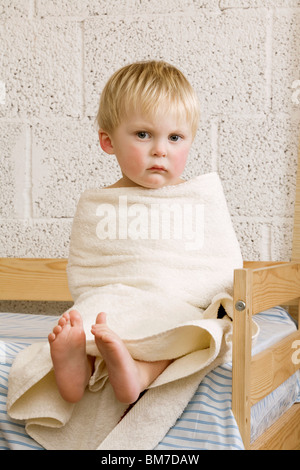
[[16, 332], [207, 423], [12, 432]]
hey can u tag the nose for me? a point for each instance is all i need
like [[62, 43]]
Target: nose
[[159, 149]]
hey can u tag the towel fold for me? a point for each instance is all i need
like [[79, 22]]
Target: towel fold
[[160, 263]]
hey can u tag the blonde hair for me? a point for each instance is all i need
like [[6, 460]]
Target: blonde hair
[[147, 87]]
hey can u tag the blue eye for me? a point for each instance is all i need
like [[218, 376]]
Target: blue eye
[[174, 138], [142, 135]]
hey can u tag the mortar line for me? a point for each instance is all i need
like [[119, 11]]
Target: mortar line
[[31, 9], [27, 192], [266, 243], [82, 72]]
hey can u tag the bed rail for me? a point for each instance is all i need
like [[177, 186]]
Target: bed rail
[[44, 279], [256, 290], [34, 279]]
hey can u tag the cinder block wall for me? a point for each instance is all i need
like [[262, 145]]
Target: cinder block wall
[[242, 56]]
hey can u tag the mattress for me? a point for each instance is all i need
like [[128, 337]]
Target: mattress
[[207, 423]]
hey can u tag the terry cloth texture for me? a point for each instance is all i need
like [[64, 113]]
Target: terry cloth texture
[[160, 263]]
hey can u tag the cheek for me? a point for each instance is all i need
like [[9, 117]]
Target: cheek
[[180, 160], [136, 157]]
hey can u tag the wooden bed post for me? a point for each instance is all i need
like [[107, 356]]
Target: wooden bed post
[[296, 232], [241, 353]]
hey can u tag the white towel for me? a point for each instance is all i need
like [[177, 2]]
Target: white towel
[[160, 263]]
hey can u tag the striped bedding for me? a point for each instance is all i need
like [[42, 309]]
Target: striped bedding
[[207, 423]]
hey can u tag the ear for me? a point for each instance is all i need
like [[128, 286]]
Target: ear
[[105, 142]]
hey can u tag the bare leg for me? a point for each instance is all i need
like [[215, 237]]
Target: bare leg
[[127, 376], [72, 367]]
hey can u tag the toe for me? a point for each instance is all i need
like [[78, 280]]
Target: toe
[[62, 321], [57, 329], [66, 316], [75, 318], [51, 337], [101, 318]]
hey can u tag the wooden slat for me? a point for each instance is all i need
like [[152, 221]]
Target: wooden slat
[[284, 434], [33, 279], [275, 285], [261, 264], [272, 367], [241, 353]]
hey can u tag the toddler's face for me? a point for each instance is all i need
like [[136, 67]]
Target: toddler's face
[[151, 152]]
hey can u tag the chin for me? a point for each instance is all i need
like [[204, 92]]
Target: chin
[[155, 184], [156, 181], [159, 180]]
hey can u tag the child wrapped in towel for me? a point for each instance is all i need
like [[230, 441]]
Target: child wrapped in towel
[[151, 261]]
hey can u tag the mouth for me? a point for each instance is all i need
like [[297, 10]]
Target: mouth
[[157, 168]]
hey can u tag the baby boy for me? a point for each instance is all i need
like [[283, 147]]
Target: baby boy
[[148, 118]]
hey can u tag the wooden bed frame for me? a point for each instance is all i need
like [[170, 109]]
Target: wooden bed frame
[[257, 287]]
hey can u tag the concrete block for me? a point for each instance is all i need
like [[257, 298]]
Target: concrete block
[[152, 7], [227, 69], [241, 56], [258, 161], [63, 8], [201, 156], [121, 7], [258, 3], [264, 239], [41, 68], [35, 239], [250, 237], [286, 61], [282, 237], [13, 169], [66, 161], [35, 308], [14, 9]]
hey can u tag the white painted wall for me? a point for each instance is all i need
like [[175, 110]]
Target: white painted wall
[[242, 56]]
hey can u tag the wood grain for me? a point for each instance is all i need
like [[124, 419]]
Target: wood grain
[[284, 434], [275, 285], [34, 279], [241, 353], [272, 367], [260, 288]]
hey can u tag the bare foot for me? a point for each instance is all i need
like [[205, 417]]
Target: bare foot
[[127, 376], [123, 372], [72, 367]]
